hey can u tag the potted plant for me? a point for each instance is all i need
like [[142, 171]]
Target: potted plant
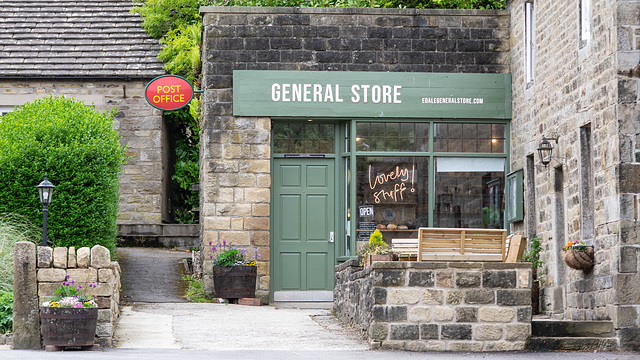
[[533, 256], [577, 255], [69, 318], [375, 250], [234, 276]]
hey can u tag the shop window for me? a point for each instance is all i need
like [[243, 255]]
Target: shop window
[[469, 193], [469, 138], [303, 138], [392, 196], [515, 196], [392, 136]]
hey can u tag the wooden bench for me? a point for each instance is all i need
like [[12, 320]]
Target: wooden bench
[[407, 249], [459, 244]]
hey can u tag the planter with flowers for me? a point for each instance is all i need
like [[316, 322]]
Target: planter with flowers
[[375, 250], [69, 318], [577, 255], [234, 276]]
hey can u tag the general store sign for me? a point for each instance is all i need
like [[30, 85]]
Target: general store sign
[[169, 92], [371, 94]]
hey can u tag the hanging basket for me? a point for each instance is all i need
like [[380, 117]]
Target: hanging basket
[[578, 259]]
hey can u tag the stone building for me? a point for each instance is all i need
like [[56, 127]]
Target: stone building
[[575, 79], [299, 102], [285, 128], [98, 53]]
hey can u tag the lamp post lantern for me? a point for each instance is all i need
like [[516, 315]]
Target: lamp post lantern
[[45, 190]]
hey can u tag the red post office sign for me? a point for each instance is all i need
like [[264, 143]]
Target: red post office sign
[[169, 92]]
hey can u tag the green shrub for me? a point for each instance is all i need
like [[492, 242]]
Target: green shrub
[[79, 149], [6, 311], [161, 16], [13, 228], [181, 51]]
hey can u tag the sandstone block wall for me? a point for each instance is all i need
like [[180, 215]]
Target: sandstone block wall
[[139, 125], [48, 268], [236, 152], [437, 306], [591, 83]]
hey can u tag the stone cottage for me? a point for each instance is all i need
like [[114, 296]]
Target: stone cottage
[[96, 52]]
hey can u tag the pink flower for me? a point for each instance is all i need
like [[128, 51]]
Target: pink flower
[[78, 305]]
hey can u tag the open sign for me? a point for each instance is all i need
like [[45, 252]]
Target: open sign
[[169, 92]]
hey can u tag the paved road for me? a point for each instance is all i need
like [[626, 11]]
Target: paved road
[[151, 275]]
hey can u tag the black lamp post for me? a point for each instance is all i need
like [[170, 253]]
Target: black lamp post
[[45, 190]]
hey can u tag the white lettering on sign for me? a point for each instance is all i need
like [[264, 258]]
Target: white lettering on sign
[[366, 211], [305, 93], [453, 100], [330, 93]]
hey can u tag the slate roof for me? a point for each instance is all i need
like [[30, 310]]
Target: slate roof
[[75, 38]]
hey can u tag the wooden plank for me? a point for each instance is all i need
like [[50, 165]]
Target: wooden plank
[[516, 248]]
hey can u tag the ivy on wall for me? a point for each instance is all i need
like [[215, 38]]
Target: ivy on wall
[[177, 24]]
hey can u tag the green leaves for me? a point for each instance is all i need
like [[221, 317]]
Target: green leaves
[[161, 16], [6, 311], [181, 51], [80, 151]]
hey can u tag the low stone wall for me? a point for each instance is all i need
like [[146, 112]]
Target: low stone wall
[[37, 274], [437, 306]]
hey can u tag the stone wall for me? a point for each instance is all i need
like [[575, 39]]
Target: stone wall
[[37, 274], [235, 152], [583, 84], [437, 306], [139, 125]]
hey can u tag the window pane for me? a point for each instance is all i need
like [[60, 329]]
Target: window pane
[[392, 196], [469, 193], [392, 136], [469, 138], [301, 138]]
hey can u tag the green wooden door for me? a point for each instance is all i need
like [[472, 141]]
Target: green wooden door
[[303, 224]]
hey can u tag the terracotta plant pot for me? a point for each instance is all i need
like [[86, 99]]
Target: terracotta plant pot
[[578, 259]]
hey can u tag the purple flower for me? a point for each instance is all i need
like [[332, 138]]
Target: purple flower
[[258, 255], [79, 287], [224, 242], [209, 243], [68, 276], [213, 249], [73, 281], [78, 305], [64, 283], [211, 256]]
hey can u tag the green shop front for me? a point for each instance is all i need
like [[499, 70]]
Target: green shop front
[[352, 152]]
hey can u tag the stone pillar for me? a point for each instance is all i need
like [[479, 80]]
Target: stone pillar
[[26, 312]]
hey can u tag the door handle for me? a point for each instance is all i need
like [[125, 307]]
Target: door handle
[[331, 237]]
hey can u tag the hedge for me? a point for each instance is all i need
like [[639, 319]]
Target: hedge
[[79, 149]]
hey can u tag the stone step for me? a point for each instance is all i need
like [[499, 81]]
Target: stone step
[[567, 328], [539, 343]]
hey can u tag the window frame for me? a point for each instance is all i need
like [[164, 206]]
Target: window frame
[[514, 197]]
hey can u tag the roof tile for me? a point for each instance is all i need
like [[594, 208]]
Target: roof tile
[[58, 38]]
